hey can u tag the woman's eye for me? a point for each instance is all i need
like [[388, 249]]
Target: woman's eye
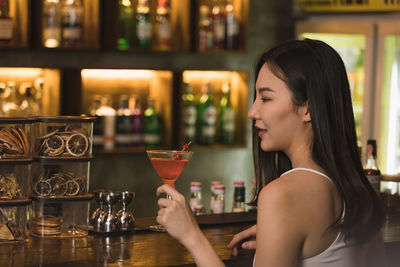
[[264, 99]]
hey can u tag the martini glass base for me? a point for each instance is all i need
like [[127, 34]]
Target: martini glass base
[[157, 228]]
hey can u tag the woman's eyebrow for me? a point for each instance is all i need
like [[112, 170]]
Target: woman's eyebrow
[[263, 89]]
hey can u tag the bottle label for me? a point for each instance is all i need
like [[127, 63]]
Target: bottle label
[[151, 139], [228, 120], [109, 132], [239, 207], [210, 115], [208, 131], [189, 115], [143, 30], [219, 206], [6, 29], [189, 131], [124, 139], [164, 33], [72, 33], [136, 138], [195, 204]]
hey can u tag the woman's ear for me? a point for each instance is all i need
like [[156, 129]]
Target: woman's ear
[[306, 112]]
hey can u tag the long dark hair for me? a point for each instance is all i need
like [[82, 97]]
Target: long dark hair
[[315, 73]]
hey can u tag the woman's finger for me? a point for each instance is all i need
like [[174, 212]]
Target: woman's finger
[[169, 190], [238, 238], [163, 202], [251, 245]]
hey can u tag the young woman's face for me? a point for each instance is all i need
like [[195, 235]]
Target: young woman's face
[[277, 122]]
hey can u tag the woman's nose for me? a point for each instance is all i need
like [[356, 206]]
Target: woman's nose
[[252, 113]]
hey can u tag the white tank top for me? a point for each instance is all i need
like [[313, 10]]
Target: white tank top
[[340, 253]]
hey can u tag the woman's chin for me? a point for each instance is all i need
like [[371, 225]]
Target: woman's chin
[[266, 147]]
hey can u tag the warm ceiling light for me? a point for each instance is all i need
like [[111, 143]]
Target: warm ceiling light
[[116, 74], [207, 75], [20, 72]]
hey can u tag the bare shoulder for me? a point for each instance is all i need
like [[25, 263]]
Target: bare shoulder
[[304, 195]]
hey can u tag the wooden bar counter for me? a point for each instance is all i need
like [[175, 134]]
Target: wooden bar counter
[[146, 248]]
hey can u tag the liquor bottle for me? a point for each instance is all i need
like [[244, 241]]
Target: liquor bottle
[[206, 117], [189, 114], [6, 25], [163, 25], [205, 29], [29, 106], [72, 23], [51, 23], [196, 204], [10, 101], [98, 133], [371, 169], [124, 123], [232, 27], [125, 24], [238, 197], [137, 121], [213, 195], [143, 24], [219, 202], [226, 117], [151, 126], [38, 84], [218, 26], [106, 116]]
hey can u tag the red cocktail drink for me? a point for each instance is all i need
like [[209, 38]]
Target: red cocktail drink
[[169, 164], [169, 169]]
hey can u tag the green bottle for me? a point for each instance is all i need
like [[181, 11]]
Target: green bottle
[[189, 114], [206, 117], [125, 24], [151, 126], [226, 117], [143, 24]]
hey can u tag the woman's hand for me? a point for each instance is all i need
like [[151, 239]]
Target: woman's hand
[[245, 239], [176, 216]]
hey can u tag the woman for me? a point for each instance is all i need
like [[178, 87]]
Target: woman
[[315, 206]]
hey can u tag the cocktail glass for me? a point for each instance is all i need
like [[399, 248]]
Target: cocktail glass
[[169, 164]]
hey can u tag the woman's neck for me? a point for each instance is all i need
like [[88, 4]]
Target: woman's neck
[[301, 157]]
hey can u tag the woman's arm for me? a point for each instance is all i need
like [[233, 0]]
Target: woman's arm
[[245, 239], [279, 226], [177, 218]]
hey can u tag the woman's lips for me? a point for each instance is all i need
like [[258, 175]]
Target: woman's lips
[[261, 133]]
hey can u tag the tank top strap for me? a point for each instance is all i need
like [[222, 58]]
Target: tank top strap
[[309, 170]]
